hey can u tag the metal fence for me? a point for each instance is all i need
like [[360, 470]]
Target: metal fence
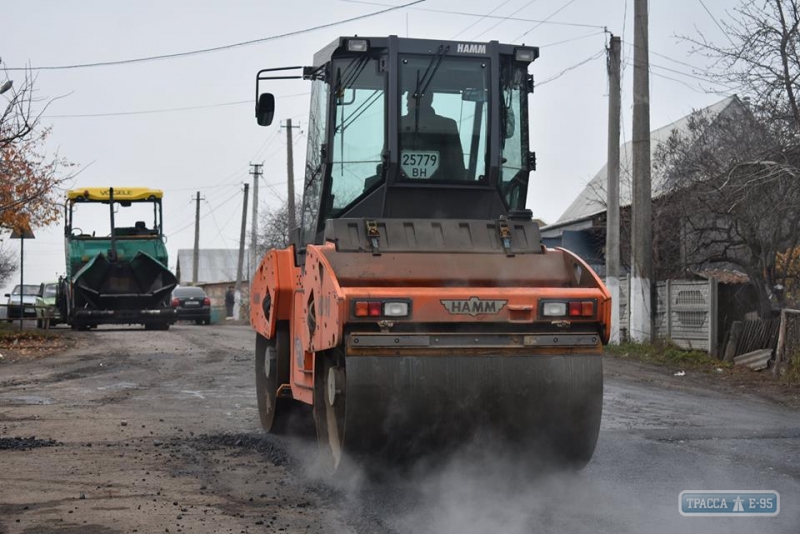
[[686, 312]]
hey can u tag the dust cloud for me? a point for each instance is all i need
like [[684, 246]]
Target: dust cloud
[[481, 490]]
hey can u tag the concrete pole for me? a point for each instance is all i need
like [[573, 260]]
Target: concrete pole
[[290, 173], [241, 243], [612, 188], [196, 253], [641, 319], [255, 171]]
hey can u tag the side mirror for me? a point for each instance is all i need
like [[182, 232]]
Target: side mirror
[[265, 109], [7, 295]]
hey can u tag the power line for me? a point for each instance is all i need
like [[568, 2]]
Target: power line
[[481, 19], [710, 14], [480, 15], [218, 48], [211, 211], [496, 24], [572, 67], [164, 110], [556, 12], [578, 38]]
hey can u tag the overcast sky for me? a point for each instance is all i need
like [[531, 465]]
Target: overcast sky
[[120, 125]]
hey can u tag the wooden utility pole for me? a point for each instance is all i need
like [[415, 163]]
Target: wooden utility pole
[[290, 173], [640, 309], [241, 241], [612, 188], [196, 253], [255, 171]]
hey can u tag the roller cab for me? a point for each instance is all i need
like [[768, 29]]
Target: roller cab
[[417, 307]]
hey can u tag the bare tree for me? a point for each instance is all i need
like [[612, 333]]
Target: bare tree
[[29, 176], [761, 60], [274, 228], [8, 264], [732, 189]]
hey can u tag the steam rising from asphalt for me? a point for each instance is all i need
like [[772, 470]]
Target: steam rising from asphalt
[[482, 490]]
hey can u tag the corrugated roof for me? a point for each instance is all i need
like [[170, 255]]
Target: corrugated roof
[[214, 265], [592, 200], [725, 276]]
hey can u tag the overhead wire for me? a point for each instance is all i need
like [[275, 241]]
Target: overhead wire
[[710, 14], [509, 17], [234, 195], [219, 234], [577, 38], [572, 67], [163, 110], [468, 14], [553, 14], [481, 19], [219, 48]]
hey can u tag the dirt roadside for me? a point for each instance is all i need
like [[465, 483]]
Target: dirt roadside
[[151, 432]]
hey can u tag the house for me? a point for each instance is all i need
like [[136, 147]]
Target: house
[[216, 271], [582, 226], [694, 308]]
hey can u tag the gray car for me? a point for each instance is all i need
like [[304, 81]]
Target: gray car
[[26, 308]]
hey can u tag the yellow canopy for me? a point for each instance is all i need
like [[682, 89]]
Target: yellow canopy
[[120, 193]]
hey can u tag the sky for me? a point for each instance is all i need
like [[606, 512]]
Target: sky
[[187, 124]]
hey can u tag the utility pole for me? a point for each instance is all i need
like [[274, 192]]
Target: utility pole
[[241, 241], [255, 171], [196, 253], [641, 311], [612, 189], [290, 172]]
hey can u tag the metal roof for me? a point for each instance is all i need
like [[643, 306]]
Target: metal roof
[[214, 265], [592, 200]]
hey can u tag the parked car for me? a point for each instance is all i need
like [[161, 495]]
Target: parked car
[[15, 310], [192, 304], [46, 304]]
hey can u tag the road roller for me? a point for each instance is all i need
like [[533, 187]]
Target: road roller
[[416, 307]]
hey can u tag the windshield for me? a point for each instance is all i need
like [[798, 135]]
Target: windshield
[[443, 129], [28, 290], [358, 139], [93, 219]]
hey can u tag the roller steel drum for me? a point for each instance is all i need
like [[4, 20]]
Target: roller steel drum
[[399, 408]]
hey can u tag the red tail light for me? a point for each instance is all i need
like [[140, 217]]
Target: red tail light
[[574, 309], [175, 303], [206, 301], [375, 309]]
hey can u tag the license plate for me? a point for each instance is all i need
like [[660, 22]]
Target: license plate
[[419, 164], [191, 303]]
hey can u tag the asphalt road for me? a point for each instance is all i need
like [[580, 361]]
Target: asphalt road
[[158, 432]]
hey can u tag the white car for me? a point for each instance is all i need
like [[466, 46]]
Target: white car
[[26, 309]]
